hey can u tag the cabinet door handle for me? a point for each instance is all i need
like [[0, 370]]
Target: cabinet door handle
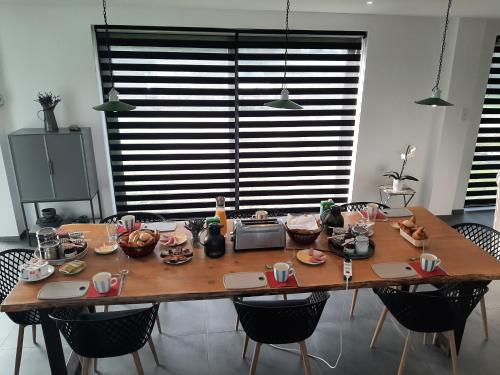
[[51, 167]]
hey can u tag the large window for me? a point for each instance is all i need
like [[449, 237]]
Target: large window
[[201, 130], [482, 187]]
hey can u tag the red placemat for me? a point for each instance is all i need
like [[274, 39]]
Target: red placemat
[[113, 292], [121, 229], [437, 272], [380, 215], [271, 281]]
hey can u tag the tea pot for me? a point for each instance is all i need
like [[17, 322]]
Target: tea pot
[[332, 218], [214, 242]]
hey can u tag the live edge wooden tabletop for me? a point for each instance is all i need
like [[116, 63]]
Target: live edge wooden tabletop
[[151, 280]]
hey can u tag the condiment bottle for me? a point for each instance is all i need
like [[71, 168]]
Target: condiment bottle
[[220, 212]]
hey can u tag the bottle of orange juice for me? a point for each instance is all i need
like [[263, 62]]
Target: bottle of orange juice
[[220, 212]]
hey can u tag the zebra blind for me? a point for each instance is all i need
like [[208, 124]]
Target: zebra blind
[[482, 188], [200, 128]]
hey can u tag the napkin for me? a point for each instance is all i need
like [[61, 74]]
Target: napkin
[[438, 271], [271, 281], [113, 292], [305, 222], [380, 215]]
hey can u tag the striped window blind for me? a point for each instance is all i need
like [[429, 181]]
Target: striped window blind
[[482, 188], [201, 130]]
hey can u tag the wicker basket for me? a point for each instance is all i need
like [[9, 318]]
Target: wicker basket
[[137, 252], [302, 236]]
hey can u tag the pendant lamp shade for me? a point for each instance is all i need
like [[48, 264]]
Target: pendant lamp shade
[[283, 102], [113, 104], [435, 100]]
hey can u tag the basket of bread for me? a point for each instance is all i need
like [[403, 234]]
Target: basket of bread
[[413, 233], [139, 243]]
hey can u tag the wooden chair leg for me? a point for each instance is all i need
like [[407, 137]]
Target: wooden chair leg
[[245, 346], [285, 297], [255, 358], [95, 365], [158, 323], [237, 323], [424, 339], [485, 317], [453, 352], [414, 288], [106, 308], [305, 357], [405, 352], [33, 331], [85, 365], [19, 350], [353, 303], [378, 328], [138, 364], [153, 350], [434, 338]]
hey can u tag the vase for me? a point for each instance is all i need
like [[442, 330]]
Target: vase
[[49, 119], [397, 185]]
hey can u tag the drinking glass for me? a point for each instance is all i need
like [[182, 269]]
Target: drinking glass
[[289, 255]]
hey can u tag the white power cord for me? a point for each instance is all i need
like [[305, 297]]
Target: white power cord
[[341, 339]]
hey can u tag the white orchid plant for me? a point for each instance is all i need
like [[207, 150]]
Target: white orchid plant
[[408, 154]]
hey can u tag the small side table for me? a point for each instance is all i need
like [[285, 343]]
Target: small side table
[[407, 193]]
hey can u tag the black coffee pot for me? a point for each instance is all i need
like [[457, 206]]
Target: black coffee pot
[[332, 218], [214, 242]]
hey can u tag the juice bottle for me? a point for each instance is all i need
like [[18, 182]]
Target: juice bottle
[[220, 212]]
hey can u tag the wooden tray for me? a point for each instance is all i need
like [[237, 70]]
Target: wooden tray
[[414, 242], [339, 251]]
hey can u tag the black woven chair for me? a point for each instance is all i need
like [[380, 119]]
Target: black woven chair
[[357, 206], [280, 322], [441, 310], [487, 239], [141, 217], [107, 334], [10, 261]]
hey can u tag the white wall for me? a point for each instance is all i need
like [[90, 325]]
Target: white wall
[[49, 47]]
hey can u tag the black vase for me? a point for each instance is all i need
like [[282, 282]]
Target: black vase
[[215, 243], [332, 218]]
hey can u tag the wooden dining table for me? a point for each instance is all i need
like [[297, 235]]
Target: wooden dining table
[[151, 280]]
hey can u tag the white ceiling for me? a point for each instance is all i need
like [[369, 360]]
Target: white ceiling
[[470, 8]]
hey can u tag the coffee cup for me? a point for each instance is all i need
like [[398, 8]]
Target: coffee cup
[[429, 262], [128, 222], [103, 282], [282, 271], [260, 215]]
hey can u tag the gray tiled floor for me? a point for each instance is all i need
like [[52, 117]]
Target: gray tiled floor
[[199, 338]]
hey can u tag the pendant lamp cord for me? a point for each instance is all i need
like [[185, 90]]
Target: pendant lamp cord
[[107, 42], [443, 46], [286, 41]]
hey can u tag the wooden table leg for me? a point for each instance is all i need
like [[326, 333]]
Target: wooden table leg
[[53, 344]]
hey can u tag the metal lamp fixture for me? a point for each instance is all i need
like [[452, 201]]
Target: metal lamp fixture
[[284, 102], [435, 100], [113, 104]]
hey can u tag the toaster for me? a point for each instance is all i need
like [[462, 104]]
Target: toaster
[[252, 234]]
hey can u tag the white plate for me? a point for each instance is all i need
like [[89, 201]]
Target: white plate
[[180, 239], [50, 272], [303, 256], [106, 252]]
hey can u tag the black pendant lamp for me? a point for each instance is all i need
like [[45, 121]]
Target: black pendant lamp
[[283, 102], [113, 104], [435, 100]]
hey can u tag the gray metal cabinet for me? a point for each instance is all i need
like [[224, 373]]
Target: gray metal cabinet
[[52, 167]]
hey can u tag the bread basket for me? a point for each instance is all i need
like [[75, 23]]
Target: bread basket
[[304, 236], [138, 251]]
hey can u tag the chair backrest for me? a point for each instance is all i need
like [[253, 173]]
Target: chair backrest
[[483, 236], [142, 217], [10, 261], [435, 311], [281, 322], [107, 334], [358, 206]]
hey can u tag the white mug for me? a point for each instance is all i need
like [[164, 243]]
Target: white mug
[[103, 282], [260, 215], [128, 222], [282, 271], [429, 262]]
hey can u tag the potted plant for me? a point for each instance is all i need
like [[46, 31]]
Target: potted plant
[[398, 178], [48, 101]]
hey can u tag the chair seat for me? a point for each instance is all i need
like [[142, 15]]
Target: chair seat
[[25, 318]]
